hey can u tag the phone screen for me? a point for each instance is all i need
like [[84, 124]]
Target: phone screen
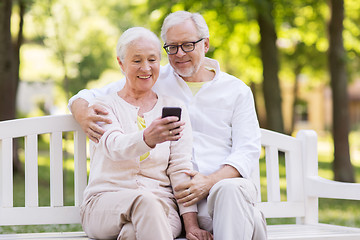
[[171, 111]]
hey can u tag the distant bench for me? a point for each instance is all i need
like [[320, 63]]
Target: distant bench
[[304, 186]]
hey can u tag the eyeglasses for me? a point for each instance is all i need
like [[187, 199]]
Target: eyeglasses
[[186, 47]]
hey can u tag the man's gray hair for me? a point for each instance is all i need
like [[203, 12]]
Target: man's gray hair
[[132, 34], [182, 16]]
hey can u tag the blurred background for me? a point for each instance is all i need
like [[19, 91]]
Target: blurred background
[[300, 57]]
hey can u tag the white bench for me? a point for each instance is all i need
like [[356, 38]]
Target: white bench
[[304, 186]]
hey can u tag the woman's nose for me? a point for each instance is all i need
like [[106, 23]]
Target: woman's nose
[[145, 66]]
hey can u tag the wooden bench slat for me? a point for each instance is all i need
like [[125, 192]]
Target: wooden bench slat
[[280, 141], [272, 173], [80, 166], [39, 125], [293, 176], [56, 170], [31, 171], [39, 215], [325, 188], [6, 170], [281, 209], [45, 236]]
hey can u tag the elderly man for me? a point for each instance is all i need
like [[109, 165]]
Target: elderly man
[[225, 130]]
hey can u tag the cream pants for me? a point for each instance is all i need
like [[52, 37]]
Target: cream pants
[[229, 211], [130, 214]]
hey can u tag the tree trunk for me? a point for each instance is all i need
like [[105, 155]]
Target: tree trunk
[[269, 57], [7, 67], [296, 98], [9, 70], [343, 170]]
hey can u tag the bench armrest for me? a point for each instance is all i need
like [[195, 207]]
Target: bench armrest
[[323, 188]]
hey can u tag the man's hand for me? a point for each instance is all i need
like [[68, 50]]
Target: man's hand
[[194, 190], [199, 187], [88, 117]]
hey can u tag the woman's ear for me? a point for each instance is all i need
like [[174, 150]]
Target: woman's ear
[[120, 63]]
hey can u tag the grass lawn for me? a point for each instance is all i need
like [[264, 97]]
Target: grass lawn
[[339, 212]]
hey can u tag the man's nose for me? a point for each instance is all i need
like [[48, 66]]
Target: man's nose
[[180, 52]]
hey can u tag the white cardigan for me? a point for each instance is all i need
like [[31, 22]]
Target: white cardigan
[[115, 160]]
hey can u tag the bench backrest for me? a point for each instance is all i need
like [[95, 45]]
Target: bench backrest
[[30, 129], [286, 195], [292, 151]]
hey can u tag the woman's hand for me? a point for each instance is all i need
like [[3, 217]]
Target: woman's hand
[[192, 229], [198, 234], [162, 130]]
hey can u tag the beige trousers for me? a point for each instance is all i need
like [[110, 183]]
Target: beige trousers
[[229, 211], [128, 215]]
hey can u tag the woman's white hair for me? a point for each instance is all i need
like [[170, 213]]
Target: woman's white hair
[[132, 34], [182, 16]]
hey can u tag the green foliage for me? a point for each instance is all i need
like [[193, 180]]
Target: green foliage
[[82, 41], [96, 57], [352, 37], [83, 34]]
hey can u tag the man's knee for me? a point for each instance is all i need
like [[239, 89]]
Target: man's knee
[[235, 188], [260, 230]]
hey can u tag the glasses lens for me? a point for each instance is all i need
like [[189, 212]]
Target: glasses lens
[[171, 49], [187, 47]]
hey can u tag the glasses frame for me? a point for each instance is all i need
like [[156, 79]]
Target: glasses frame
[[181, 45]]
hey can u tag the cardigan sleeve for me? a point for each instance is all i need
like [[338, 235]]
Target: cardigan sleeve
[[180, 159], [117, 144]]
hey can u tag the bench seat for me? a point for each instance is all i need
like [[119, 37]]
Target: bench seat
[[313, 231]]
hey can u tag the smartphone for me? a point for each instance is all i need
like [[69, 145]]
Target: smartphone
[[171, 111]]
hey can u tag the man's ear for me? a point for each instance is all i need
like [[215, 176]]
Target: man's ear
[[206, 45]]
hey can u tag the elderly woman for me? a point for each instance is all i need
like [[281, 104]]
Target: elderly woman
[[141, 157]]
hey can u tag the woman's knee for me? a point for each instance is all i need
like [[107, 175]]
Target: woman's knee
[[127, 232], [150, 204]]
